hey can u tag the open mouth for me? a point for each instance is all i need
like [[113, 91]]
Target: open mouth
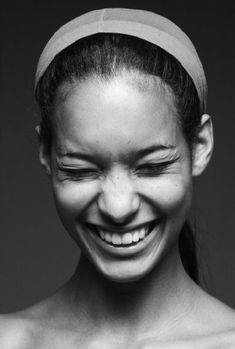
[[127, 239]]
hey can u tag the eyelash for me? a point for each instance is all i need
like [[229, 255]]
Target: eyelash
[[147, 170], [152, 170], [81, 174]]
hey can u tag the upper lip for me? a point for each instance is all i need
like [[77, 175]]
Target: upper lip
[[119, 229]]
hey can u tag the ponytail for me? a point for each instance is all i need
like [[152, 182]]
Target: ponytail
[[188, 253]]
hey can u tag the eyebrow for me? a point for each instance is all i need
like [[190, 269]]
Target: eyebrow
[[153, 148], [76, 155]]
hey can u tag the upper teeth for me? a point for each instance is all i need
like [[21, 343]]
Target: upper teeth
[[125, 239]]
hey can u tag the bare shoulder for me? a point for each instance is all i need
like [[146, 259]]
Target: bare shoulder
[[224, 321], [25, 329], [225, 340], [215, 314], [221, 340], [36, 326], [16, 332], [214, 324]]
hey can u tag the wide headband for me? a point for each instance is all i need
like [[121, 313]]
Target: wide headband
[[139, 23]]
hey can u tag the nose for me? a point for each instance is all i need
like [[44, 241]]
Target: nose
[[118, 202]]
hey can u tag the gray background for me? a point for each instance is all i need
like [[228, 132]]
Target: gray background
[[36, 254]]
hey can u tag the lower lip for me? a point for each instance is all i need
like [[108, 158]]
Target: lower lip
[[128, 249]]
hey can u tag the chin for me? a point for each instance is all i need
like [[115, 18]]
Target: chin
[[126, 271]]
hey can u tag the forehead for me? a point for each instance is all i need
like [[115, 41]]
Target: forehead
[[113, 114]]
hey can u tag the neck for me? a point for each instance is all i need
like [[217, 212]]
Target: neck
[[160, 299]]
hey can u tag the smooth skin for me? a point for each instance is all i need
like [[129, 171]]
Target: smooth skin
[[119, 159]]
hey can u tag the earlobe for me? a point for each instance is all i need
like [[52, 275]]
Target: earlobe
[[203, 147], [44, 154]]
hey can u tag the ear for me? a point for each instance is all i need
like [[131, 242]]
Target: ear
[[203, 147], [44, 153]]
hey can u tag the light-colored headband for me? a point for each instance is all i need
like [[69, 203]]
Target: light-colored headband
[[142, 24]]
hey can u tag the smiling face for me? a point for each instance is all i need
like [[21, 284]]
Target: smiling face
[[121, 173]]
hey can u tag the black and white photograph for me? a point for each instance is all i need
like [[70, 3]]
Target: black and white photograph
[[117, 181]]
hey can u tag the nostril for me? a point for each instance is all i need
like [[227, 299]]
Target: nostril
[[121, 220]]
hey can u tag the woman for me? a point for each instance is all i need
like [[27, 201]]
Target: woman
[[122, 95]]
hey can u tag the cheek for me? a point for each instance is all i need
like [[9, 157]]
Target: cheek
[[172, 196], [72, 199]]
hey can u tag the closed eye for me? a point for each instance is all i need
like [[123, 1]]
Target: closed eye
[[153, 169], [79, 174]]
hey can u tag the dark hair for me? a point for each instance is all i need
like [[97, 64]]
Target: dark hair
[[104, 55]]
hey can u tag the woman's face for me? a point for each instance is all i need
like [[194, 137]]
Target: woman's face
[[121, 173]]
